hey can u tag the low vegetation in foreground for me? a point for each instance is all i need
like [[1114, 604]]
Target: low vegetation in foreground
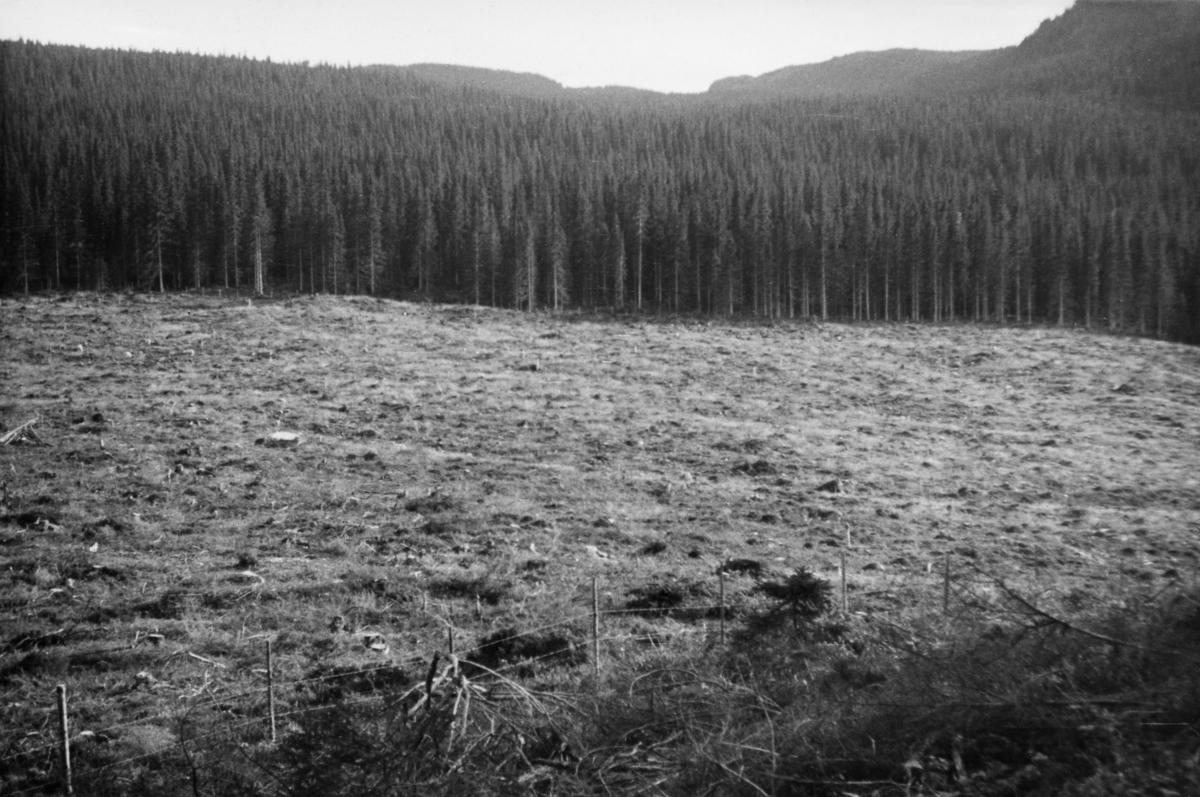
[[828, 559]]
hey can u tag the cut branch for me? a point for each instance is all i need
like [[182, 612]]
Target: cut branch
[[1052, 619], [22, 434]]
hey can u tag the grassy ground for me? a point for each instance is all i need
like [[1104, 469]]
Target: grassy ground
[[474, 469]]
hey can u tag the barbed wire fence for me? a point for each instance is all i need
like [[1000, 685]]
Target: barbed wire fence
[[261, 700]]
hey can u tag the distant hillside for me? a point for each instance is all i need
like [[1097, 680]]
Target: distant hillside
[[856, 74], [518, 84], [1144, 50], [451, 76]]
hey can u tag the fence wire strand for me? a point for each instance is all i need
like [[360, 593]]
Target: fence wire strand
[[962, 587]]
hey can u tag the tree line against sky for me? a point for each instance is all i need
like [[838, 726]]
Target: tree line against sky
[[170, 171]]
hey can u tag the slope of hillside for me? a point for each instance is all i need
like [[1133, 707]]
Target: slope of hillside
[[1149, 51], [1142, 51], [858, 73], [452, 76]]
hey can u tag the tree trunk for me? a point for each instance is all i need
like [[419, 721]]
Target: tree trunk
[[824, 288], [258, 266], [158, 260]]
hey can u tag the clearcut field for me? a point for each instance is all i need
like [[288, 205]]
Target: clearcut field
[[475, 468]]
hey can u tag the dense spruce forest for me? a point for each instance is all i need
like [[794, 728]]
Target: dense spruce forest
[[173, 171]]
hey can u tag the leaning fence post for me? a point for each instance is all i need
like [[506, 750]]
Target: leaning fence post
[[271, 690], [596, 627], [721, 576], [65, 739]]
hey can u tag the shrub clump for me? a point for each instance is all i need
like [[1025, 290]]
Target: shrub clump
[[508, 647], [664, 597]]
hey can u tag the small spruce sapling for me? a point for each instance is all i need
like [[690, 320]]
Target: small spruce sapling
[[802, 597]]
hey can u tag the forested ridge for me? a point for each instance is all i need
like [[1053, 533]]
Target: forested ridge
[[1141, 51], [167, 171]]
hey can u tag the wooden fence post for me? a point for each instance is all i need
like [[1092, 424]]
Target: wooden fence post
[[596, 627], [946, 583], [721, 575], [845, 595], [65, 740], [271, 689]]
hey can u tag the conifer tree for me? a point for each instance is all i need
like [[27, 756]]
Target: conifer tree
[[617, 259], [373, 262], [260, 237], [559, 293]]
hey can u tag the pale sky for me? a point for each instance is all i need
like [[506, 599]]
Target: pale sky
[[665, 45]]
